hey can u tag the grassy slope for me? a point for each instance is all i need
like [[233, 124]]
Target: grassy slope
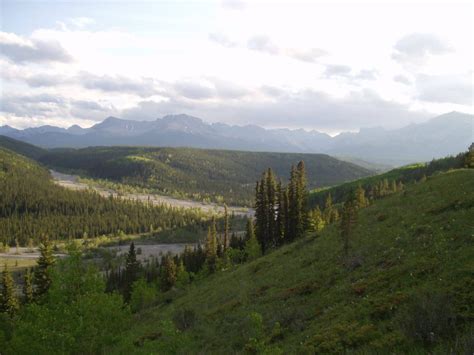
[[231, 174], [421, 239]]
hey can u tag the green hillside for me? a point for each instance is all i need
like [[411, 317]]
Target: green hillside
[[405, 288], [28, 150], [406, 174], [197, 173]]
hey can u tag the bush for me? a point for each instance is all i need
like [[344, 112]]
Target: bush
[[428, 318], [143, 295], [184, 319]]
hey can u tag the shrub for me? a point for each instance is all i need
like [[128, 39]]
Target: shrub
[[143, 295], [427, 318], [184, 319]]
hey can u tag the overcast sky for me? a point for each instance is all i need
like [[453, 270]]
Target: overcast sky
[[315, 65]]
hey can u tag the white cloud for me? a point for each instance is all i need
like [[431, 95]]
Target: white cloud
[[417, 47], [456, 89], [24, 50]]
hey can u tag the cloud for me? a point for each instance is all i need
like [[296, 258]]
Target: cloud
[[333, 70], [416, 47], [194, 90], [222, 39], [308, 109], [143, 87], [22, 50], [311, 55], [262, 43], [455, 89], [402, 79], [367, 74]]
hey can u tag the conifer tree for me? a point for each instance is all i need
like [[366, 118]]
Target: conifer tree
[[211, 247], [8, 301], [302, 200], [252, 248], [169, 273], [292, 204], [226, 228], [281, 219], [42, 275], [271, 209], [348, 221], [328, 209], [132, 269], [361, 200], [316, 220], [28, 287]]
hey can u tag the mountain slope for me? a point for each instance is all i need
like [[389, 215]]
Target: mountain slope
[[436, 138], [198, 173], [28, 150], [407, 287]]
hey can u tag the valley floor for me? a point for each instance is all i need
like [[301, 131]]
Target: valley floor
[[73, 182]]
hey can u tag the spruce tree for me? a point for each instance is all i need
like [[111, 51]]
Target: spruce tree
[[169, 273], [226, 228], [42, 274], [302, 200], [252, 248], [132, 269], [211, 247], [281, 214], [28, 287], [270, 208], [361, 200], [292, 205], [8, 301]]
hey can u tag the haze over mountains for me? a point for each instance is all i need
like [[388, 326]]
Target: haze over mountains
[[447, 134]]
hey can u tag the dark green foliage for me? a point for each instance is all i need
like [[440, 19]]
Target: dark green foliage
[[42, 279], [197, 173], [428, 318], [8, 300], [26, 149], [31, 205], [28, 293], [211, 247], [168, 273], [348, 222], [75, 317], [132, 271]]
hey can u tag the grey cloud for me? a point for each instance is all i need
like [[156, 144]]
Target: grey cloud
[[222, 39], [416, 47], [88, 105], [143, 87], [272, 91], [228, 90], [337, 70], [193, 90], [367, 74], [307, 109], [21, 50], [402, 79], [309, 56], [44, 80], [456, 89], [262, 43]]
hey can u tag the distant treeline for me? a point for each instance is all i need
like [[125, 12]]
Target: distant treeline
[[32, 206]]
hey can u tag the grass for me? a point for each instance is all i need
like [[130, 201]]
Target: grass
[[406, 248], [17, 264]]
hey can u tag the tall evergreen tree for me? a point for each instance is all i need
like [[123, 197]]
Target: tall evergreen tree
[[252, 248], [132, 270], [8, 301], [282, 215], [292, 204], [28, 287], [361, 200], [42, 275], [226, 228], [302, 200], [270, 208], [168, 273], [211, 247]]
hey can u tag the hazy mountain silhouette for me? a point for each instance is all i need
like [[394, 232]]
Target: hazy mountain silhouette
[[443, 135]]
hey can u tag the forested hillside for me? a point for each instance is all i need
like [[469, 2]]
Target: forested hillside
[[202, 174], [32, 206], [386, 183], [405, 286]]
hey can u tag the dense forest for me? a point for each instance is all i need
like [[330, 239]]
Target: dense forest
[[216, 175], [32, 206]]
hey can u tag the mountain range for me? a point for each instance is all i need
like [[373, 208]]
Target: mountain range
[[444, 135]]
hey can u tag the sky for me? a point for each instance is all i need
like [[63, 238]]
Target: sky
[[323, 65]]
